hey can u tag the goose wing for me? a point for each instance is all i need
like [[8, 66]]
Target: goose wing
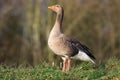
[[76, 46]]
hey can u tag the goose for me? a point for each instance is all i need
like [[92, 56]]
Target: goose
[[64, 46]]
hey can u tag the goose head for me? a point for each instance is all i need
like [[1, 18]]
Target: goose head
[[56, 8]]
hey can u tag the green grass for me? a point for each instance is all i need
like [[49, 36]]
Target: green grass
[[84, 71]]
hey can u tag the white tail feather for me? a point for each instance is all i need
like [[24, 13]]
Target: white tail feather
[[83, 56]]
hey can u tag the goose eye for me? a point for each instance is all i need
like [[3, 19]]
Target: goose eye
[[57, 6]]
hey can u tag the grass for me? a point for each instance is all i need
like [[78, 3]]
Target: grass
[[84, 71]]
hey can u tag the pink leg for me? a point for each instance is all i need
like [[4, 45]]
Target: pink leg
[[68, 66], [64, 65]]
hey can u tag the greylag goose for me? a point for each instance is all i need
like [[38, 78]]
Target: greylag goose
[[64, 46]]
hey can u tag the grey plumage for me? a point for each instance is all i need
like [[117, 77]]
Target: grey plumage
[[63, 45]]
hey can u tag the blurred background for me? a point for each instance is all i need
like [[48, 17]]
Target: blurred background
[[25, 27]]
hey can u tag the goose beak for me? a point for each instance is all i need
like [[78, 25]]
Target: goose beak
[[51, 7]]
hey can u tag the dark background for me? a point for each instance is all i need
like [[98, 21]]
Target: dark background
[[25, 27]]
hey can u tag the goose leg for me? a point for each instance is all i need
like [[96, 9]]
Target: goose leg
[[68, 66], [64, 65]]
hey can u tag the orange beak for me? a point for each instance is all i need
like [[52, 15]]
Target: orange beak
[[51, 7]]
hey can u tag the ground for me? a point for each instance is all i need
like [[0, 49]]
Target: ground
[[110, 70]]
